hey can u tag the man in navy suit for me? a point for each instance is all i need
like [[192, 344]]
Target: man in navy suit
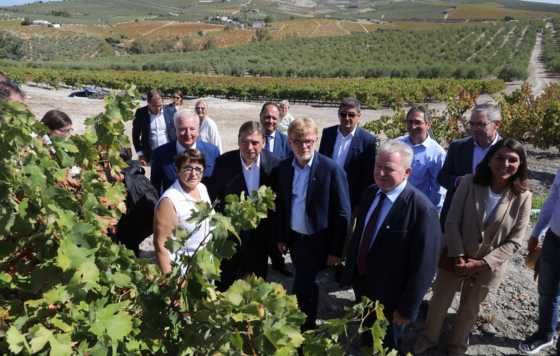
[[152, 127], [312, 213], [275, 141], [245, 170], [465, 154], [163, 167], [394, 250], [352, 147]]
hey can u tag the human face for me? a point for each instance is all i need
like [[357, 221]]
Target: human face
[[250, 147], [155, 105], [302, 145], [62, 132], [187, 131], [177, 100], [349, 119], [504, 164], [482, 129], [269, 119], [417, 127], [190, 175], [283, 109], [389, 170], [201, 109]]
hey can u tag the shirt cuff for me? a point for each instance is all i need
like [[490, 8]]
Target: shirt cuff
[[139, 153]]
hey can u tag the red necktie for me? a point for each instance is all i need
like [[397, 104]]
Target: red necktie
[[367, 236]]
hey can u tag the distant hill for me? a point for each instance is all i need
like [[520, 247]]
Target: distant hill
[[111, 11]]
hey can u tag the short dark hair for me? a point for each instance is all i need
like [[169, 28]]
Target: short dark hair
[[56, 120], [179, 93], [153, 93], [350, 103], [519, 181], [419, 109], [250, 127], [191, 155], [9, 88], [266, 104]]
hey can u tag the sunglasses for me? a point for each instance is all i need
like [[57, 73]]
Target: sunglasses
[[348, 114]]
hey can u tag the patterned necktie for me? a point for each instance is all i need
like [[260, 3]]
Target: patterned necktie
[[367, 237]]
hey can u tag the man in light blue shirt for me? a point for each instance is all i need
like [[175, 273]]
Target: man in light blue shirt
[[428, 155]]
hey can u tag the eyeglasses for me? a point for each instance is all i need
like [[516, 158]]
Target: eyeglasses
[[349, 114], [192, 169], [481, 125], [303, 142]]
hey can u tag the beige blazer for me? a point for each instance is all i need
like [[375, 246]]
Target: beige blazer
[[498, 239]]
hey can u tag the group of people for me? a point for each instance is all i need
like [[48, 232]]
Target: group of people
[[395, 215]]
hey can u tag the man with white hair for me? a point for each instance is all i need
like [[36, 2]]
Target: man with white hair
[[163, 165], [394, 250], [465, 154], [208, 129], [285, 117]]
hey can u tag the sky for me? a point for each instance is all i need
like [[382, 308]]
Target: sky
[[20, 2]]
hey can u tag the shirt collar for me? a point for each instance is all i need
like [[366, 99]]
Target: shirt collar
[[496, 139], [394, 193], [424, 143], [351, 134], [181, 148], [296, 165], [256, 164]]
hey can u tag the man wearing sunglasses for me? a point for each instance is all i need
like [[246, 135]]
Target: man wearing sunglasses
[[465, 154], [352, 148]]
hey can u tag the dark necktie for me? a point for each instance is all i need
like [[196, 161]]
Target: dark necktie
[[367, 237], [267, 144]]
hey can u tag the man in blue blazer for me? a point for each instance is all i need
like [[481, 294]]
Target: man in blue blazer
[[352, 147], [312, 213], [395, 247], [275, 141], [152, 127], [465, 154], [163, 167], [245, 170]]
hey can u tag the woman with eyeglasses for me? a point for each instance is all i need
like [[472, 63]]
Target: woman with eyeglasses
[[58, 123], [176, 206], [484, 228]]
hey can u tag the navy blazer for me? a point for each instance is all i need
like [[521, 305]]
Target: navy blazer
[[402, 260], [281, 149], [359, 162], [141, 130], [327, 202], [164, 173], [458, 162]]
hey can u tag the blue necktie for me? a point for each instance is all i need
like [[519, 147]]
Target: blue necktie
[[367, 237], [267, 144]]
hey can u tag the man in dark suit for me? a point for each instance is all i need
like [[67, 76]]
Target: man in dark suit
[[275, 141], [163, 166], [352, 147], [152, 127], [245, 170], [312, 213], [465, 154], [395, 247]]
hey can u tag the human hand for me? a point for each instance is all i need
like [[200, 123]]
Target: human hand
[[333, 260], [532, 244], [143, 161], [282, 247], [399, 320]]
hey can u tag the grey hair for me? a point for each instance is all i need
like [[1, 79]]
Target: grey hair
[[250, 127], [491, 110], [298, 127], [184, 113], [153, 94], [284, 102], [350, 103], [396, 146]]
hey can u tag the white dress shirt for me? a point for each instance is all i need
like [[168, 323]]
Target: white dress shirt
[[251, 174], [300, 183], [181, 148], [208, 132], [387, 205], [479, 152], [550, 212], [342, 146], [158, 130]]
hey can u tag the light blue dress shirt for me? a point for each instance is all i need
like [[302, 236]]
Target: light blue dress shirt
[[479, 152], [428, 159], [391, 197], [550, 212], [299, 221]]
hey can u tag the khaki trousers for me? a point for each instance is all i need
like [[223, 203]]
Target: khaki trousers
[[473, 291]]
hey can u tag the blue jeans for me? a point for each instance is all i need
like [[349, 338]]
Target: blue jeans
[[549, 285]]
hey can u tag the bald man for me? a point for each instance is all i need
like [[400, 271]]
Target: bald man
[[163, 166]]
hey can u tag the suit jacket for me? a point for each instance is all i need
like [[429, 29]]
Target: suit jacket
[[164, 173], [359, 161], [141, 130], [402, 260], [327, 202], [467, 234], [458, 162], [281, 149]]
